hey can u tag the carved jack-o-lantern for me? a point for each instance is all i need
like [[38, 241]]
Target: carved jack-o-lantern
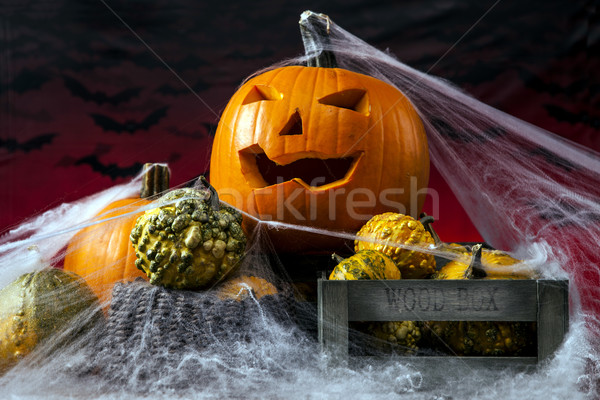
[[323, 147], [319, 146]]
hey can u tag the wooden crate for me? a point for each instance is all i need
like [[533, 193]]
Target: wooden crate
[[543, 301]]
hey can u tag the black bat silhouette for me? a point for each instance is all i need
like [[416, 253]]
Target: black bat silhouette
[[562, 115], [191, 61], [553, 159], [27, 80], [82, 63], [466, 135], [561, 211], [170, 90], [12, 145], [477, 73], [112, 170], [210, 128], [79, 90], [130, 126], [538, 84], [247, 55]]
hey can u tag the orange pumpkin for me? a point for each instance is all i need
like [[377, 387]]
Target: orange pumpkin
[[320, 147], [245, 286], [102, 253]]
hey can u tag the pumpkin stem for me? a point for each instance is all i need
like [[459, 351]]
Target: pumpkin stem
[[215, 203], [427, 220], [155, 180], [314, 29]]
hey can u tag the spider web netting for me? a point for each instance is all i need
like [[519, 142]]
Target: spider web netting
[[526, 190]]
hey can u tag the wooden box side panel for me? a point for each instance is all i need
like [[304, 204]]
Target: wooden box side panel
[[332, 309], [553, 316], [451, 300]]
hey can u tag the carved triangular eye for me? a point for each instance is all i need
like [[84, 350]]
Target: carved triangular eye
[[262, 93], [352, 99], [293, 126]]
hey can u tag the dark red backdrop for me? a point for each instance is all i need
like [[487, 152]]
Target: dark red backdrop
[[91, 90]]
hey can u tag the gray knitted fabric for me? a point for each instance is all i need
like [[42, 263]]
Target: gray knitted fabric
[[157, 338]]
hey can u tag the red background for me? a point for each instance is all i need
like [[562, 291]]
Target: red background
[[89, 91]]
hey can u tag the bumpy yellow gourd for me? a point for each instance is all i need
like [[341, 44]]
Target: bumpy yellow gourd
[[39, 305], [188, 241], [403, 239], [406, 334], [366, 264]]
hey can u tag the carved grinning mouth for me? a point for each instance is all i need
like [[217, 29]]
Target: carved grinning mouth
[[315, 172]]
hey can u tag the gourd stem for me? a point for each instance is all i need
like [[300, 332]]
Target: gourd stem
[[155, 180], [337, 258], [215, 203], [475, 268], [426, 221], [314, 29]]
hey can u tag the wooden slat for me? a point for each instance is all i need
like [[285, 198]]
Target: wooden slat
[[553, 316], [450, 300], [333, 319]]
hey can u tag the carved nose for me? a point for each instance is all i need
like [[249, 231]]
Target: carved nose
[[293, 126]]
